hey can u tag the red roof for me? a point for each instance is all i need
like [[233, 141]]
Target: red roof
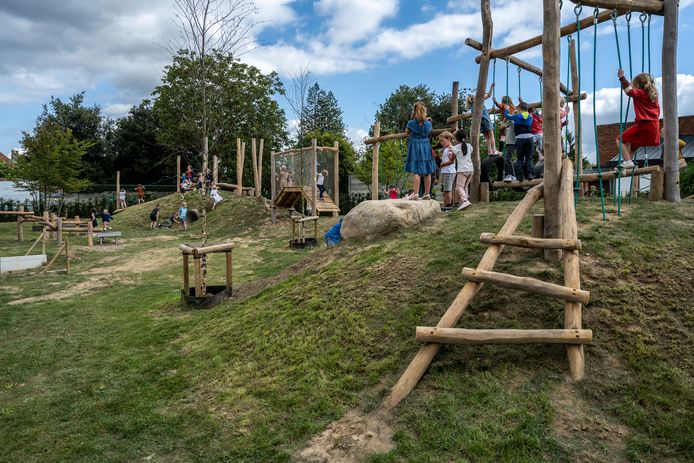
[[5, 159]]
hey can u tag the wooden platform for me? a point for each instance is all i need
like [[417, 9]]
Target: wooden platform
[[291, 194]]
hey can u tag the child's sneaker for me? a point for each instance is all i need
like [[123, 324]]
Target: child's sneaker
[[464, 204], [627, 164], [509, 178]]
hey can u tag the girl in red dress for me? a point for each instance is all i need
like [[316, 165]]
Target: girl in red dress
[[645, 131]]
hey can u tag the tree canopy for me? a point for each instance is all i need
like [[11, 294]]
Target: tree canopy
[[322, 112]]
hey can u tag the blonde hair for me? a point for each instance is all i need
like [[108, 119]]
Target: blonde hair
[[646, 82], [324, 172], [419, 112], [447, 135]]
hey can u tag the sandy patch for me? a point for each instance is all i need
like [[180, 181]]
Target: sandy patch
[[76, 289], [146, 261], [350, 439]]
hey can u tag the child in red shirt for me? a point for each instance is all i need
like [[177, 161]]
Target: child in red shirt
[[645, 131]]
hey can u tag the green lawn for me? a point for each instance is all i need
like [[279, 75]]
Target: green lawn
[[104, 364]]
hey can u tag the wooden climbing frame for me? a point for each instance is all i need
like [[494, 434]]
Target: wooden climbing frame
[[299, 239], [198, 253]]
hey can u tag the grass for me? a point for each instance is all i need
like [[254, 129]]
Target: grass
[[117, 371]]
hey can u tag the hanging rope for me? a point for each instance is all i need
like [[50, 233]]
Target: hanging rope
[[649, 43], [643, 18], [618, 195], [577, 92], [566, 98], [496, 134], [506, 76], [519, 84], [539, 79], [596, 12]]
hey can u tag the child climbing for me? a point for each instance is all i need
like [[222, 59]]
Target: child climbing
[[154, 217], [214, 194], [486, 127], [564, 110], [420, 161], [182, 214], [536, 130], [393, 192], [140, 190], [510, 140], [645, 131], [448, 168], [522, 123], [121, 199], [320, 180], [106, 219], [464, 167], [332, 237]]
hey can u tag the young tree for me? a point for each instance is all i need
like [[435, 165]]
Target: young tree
[[321, 112], [51, 161]]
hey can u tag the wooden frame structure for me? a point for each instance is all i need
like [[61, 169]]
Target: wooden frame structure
[[205, 297], [299, 239]]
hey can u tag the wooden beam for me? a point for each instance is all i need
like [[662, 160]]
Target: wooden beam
[[399, 135], [186, 276], [374, 160], [209, 249], [531, 285], [314, 173], [421, 361], [239, 168], [518, 62], [227, 270], [670, 120], [465, 336], [455, 94], [642, 6], [551, 124], [529, 242], [537, 40], [572, 276], [578, 135], [609, 175], [496, 110]]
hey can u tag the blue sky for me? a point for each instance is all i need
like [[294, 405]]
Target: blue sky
[[362, 50]]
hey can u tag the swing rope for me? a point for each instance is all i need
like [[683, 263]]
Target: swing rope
[[649, 43], [618, 195], [496, 131], [519, 84], [626, 116], [596, 13], [643, 18], [579, 130], [566, 98]]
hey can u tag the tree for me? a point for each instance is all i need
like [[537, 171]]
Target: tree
[[321, 112], [7, 170], [51, 161]]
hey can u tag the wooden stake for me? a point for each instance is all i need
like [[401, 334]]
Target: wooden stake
[[178, 174], [20, 224], [374, 162], [228, 270], [578, 138], [529, 242], [197, 267], [551, 123], [670, 121], [273, 187], [455, 95], [45, 232], [657, 185], [118, 203], [463, 336], [215, 169], [67, 256], [90, 234], [336, 174], [34, 245], [259, 193], [423, 358], [314, 174], [254, 162], [239, 168], [538, 226], [572, 276], [186, 276], [59, 232], [60, 250], [484, 192]]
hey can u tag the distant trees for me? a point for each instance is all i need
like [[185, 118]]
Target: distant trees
[[322, 112]]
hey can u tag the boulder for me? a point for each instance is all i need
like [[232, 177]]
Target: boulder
[[370, 218]]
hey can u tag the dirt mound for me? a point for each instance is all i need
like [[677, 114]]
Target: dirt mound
[[350, 439]]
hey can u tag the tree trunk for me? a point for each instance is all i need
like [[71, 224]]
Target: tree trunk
[[670, 121]]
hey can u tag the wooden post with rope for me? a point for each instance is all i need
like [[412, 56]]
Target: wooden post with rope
[[374, 161], [578, 135]]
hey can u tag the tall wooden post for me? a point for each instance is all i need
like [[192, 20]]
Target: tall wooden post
[[578, 130], [90, 234], [670, 121], [454, 103], [20, 224], [487, 30], [336, 175], [54, 221], [273, 187], [254, 162], [118, 204], [215, 169], [243, 161], [551, 124], [178, 174], [239, 168], [59, 232], [45, 232], [314, 174], [205, 164], [374, 161], [186, 276], [259, 193], [67, 256], [197, 266], [228, 270]]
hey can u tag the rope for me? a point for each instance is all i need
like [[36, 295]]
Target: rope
[[566, 99], [596, 12], [519, 84], [496, 134], [643, 18], [626, 116], [506, 76], [618, 196], [649, 43], [579, 135]]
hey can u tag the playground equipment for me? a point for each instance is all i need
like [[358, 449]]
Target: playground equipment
[[204, 297], [293, 176], [299, 239]]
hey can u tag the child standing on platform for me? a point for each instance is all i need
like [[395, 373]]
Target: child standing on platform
[[420, 161], [486, 125], [464, 167], [522, 123], [320, 183], [646, 130]]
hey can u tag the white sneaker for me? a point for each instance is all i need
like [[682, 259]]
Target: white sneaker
[[627, 164], [464, 204], [509, 178]]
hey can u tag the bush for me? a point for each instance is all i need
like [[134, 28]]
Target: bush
[[687, 181]]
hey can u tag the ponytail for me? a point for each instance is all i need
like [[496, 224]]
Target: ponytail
[[460, 136]]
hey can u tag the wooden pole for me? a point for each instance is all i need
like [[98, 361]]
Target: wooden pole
[[463, 336], [243, 162], [186, 276], [550, 121], [645, 6], [657, 185], [239, 168], [118, 203], [215, 169], [530, 242], [178, 174], [90, 234], [45, 232], [336, 174], [197, 267], [484, 192], [572, 276], [259, 193], [423, 358], [314, 174], [578, 135], [374, 162], [538, 226], [205, 154], [228, 270], [670, 122], [254, 162], [40, 237], [487, 30], [20, 224], [273, 187], [455, 94], [59, 232], [67, 256], [54, 231], [57, 254]]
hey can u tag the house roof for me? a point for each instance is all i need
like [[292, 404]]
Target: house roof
[[4, 158], [654, 154]]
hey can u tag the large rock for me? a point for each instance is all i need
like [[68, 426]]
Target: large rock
[[380, 217]]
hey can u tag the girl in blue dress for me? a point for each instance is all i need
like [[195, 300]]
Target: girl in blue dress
[[420, 160]]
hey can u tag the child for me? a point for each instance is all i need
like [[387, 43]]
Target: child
[[420, 161], [93, 214], [319, 183], [509, 149], [522, 123], [536, 130], [448, 167], [140, 193], [106, 220], [486, 127], [214, 194], [182, 213], [154, 217], [393, 192], [410, 194], [464, 168], [332, 237], [645, 131], [121, 197], [189, 173]]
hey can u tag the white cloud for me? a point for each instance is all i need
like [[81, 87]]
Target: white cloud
[[355, 20], [117, 109], [275, 12], [357, 135]]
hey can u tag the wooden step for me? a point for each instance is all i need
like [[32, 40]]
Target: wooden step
[[528, 242], [531, 285], [464, 336]]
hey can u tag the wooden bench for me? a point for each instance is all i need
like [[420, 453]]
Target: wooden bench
[[108, 234]]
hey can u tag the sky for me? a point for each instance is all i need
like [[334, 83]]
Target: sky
[[361, 50]]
